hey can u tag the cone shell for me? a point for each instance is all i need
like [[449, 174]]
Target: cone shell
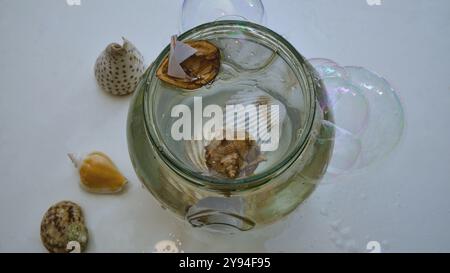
[[99, 174], [61, 224], [118, 68]]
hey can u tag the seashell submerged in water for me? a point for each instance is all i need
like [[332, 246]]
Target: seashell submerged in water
[[61, 224], [270, 119], [238, 158], [233, 158], [98, 173], [195, 151], [225, 158]]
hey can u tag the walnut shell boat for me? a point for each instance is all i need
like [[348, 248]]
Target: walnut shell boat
[[202, 67]]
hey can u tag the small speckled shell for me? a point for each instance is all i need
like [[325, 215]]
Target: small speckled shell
[[61, 224], [118, 68]]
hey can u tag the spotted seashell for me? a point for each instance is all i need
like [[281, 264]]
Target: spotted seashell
[[63, 223], [118, 68]]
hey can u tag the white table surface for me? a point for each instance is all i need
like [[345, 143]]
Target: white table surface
[[50, 105]]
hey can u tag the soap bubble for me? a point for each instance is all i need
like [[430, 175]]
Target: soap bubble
[[386, 121], [348, 104], [368, 116], [240, 53], [197, 12], [346, 151], [327, 68]]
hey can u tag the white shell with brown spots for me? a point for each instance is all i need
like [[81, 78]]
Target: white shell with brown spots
[[118, 68]]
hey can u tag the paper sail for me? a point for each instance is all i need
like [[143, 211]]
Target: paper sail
[[179, 52]]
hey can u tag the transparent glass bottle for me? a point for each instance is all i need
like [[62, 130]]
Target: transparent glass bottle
[[252, 57], [197, 12]]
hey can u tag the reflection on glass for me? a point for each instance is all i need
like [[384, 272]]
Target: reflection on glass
[[197, 12]]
